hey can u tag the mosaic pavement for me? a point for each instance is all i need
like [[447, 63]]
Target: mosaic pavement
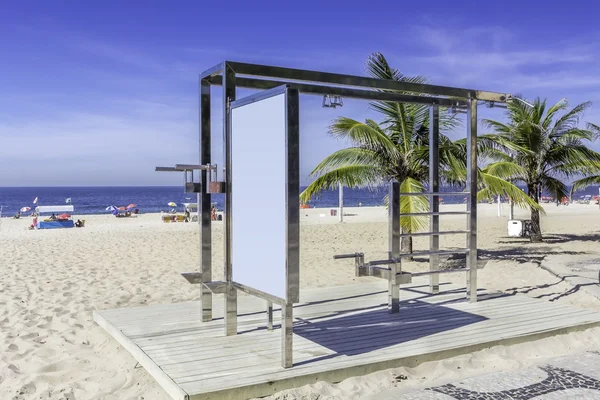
[[573, 377]]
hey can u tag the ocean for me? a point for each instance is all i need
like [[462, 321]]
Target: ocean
[[94, 200]]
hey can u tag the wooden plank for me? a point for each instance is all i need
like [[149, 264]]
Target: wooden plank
[[277, 381], [178, 346], [362, 344], [501, 310], [174, 390]]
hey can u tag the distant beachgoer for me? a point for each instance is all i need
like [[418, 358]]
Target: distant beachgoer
[[78, 224], [213, 214], [53, 217], [359, 204]]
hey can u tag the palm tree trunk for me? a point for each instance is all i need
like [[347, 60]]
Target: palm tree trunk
[[536, 229]]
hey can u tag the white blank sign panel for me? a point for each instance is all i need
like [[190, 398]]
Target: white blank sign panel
[[258, 154]]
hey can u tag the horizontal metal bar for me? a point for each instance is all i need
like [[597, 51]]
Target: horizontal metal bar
[[350, 93], [353, 255], [362, 81], [432, 233], [435, 194], [184, 167], [426, 214], [383, 262], [437, 252], [442, 271], [216, 70], [259, 293], [265, 94]]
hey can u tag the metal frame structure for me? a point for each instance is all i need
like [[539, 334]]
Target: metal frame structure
[[233, 75]]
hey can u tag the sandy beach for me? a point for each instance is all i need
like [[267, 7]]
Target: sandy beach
[[53, 280]]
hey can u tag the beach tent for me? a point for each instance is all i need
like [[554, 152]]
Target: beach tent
[[59, 223]]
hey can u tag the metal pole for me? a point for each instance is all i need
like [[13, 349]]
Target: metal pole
[[434, 203], [472, 203], [499, 206], [394, 245], [287, 335], [512, 209], [230, 293], [269, 315], [341, 202], [204, 202]]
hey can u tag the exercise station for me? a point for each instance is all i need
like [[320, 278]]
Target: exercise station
[[257, 332]]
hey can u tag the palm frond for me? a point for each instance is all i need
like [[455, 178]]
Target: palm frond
[[352, 156], [412, 204], [585, 182], [508, 170], [360, 176], [495, 186]]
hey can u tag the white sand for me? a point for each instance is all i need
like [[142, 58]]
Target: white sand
[[52, 281]]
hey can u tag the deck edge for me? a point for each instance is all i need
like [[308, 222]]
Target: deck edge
[[164, 381], [337, 375]]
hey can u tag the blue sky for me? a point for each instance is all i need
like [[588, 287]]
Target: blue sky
[[100, 94]]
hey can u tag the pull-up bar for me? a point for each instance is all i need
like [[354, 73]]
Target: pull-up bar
[[250, 120]]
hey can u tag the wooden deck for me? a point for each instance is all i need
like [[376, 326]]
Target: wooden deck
[[338, 332]]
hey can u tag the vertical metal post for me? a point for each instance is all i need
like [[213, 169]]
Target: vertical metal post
[[472, 203], [204, 200], [292, 166], [292, 190], [269, 315], [230, 294], [341, 202], [434, 202], [394, 245], [499, 206], [287, 335]]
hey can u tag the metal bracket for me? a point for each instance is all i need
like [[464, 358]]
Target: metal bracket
[[214, 185], [373, 268], [195, 278]]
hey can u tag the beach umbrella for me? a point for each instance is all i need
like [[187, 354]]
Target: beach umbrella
[[172, 204], [68, 200], [63, 216], [111, 208], [131, 206], [25, 209], [122, 208]]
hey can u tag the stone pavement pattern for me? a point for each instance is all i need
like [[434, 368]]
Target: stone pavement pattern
[[571, 377]]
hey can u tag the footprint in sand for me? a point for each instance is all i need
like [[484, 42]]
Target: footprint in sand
[[27, 389], [13, 347], [14, 368], [30, 335]]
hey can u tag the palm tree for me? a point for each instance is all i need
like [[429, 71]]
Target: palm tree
[[397, 148], [539, 148]]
